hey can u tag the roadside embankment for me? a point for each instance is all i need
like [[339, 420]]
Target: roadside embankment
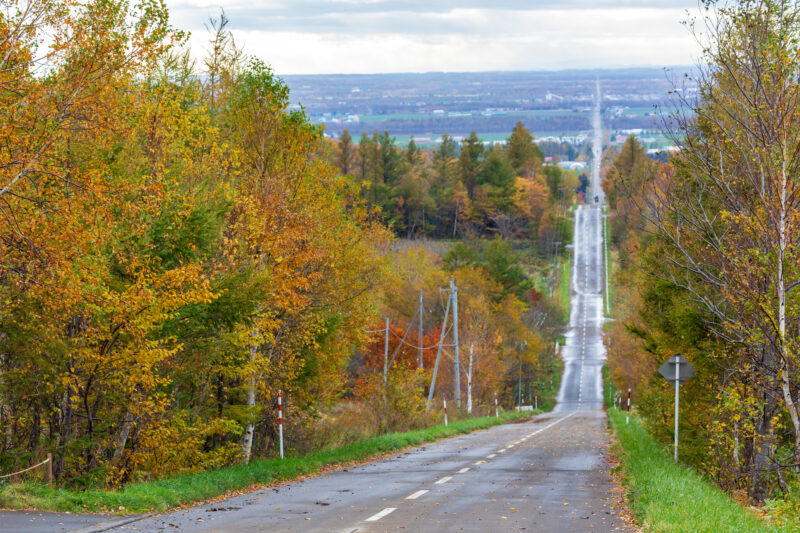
[[170, 493], [669, 497]]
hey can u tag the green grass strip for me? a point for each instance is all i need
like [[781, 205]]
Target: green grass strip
[[669, 497], [165, 494], [565, 285]]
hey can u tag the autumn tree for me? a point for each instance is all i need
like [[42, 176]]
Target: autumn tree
[[726, 215], [523, 153], [346, 152], [469, 162]]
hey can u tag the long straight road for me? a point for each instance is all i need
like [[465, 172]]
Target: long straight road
[[584, 352], [548, 474]]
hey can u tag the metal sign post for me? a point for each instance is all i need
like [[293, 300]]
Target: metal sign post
[[676, 370]]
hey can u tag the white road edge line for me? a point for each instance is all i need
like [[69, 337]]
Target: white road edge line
[[445, 479], [376, 517], [416, 494]]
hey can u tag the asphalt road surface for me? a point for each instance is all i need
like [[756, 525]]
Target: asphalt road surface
[[548, 474], [584, 352]]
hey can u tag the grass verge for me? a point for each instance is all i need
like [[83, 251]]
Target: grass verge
[[563, 295], [670, 497], [165, 494]]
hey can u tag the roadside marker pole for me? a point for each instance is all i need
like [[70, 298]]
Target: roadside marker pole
[[628, 414], [677, 390], [386, 352], [535, 402], [444, 400], [280, 420], [496, 408]]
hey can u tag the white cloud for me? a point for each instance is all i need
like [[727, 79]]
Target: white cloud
[[459, 39]]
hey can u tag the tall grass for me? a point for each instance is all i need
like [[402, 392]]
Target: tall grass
[[186, 489], [671, 498]]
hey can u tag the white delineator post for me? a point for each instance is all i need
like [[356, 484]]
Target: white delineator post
[[496, 408], [535, 402], [628, 414], [677, 390], [386, 352], [444, 402], [280, 421]]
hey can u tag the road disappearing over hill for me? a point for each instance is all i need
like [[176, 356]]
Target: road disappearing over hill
[[584, 352]]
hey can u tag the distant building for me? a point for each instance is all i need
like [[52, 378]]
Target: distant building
[[573, 165]]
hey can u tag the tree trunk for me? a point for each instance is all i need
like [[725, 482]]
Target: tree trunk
[[247, 444], [122, 436]]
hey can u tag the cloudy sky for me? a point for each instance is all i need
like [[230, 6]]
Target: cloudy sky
[[371, 36]]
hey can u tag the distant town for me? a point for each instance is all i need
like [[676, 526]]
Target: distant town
[[554, 106]]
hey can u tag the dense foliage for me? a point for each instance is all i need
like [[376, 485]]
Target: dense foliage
[[175, 248], [708, 248], [471, 189]]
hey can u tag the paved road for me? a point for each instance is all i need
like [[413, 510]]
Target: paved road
[[45, 522], [584, 352], [548, 474]]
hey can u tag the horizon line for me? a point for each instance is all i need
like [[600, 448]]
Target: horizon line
[[510, 71]]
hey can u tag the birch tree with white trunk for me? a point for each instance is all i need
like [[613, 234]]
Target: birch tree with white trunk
[[728, 211]]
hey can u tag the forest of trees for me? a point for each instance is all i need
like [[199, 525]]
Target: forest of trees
[[176, 246], [466, 190], [708, 253]]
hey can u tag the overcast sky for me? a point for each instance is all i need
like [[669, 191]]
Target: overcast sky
[[372, 36]]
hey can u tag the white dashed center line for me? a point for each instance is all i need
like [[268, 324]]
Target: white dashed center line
[[445, 479], [416, 495], [465, 469], [491, 456], [376, 517]]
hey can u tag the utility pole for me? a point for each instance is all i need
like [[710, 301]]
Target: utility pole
[[457, 380], [438, 354], [421, 309], [386, 352]]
